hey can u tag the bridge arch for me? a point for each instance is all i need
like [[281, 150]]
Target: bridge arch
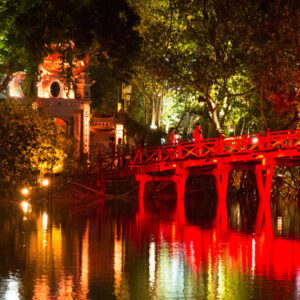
[[66, 125]]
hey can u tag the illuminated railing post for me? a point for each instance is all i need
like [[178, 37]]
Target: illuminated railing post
[[290, 138], [159, 153], [268, 140], [221, 143], [179, 150], [260, 142], [200, 148], [245, 144], [140, 156]]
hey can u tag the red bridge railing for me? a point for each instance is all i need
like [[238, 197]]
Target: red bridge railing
[[221, 146]]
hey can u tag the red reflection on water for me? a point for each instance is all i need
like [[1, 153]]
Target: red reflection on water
[[259, 254]]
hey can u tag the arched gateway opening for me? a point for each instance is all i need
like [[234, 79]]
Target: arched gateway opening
[[64, 126]]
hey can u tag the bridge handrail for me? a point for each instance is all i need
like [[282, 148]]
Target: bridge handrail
[[218, 146]]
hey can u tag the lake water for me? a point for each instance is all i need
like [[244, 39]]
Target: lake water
[[91, 250]]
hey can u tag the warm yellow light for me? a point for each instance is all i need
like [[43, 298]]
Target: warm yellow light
[[45, 220], [45, 182], [25, 206], [25, 191], [279, 224], [119, 106], [152, 264], [119, 132], [119, 127]]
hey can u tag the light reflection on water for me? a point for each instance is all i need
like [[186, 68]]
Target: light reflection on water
[[10, 289], [105, 257]]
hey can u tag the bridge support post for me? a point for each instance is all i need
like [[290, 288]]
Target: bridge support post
[[264, 186], [180, 179], [142, 179], [221, 174]]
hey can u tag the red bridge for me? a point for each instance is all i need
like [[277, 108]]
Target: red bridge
[[218, 156]]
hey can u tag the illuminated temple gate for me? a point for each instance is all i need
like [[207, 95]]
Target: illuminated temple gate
[[70, 109]]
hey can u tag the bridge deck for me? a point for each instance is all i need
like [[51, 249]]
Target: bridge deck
[[283, 146]]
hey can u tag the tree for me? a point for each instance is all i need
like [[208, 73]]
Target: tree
[[31, 145], [186, 48], [106, 88], [103, 30], [232, 55]]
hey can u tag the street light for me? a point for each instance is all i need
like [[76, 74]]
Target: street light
[[45, 220], [45, 182], [48, 183], [25, 191], [26, 206]]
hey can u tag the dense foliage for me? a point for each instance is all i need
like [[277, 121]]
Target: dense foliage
[[103, 30], [238, 59], [31, 145], [232, 65]]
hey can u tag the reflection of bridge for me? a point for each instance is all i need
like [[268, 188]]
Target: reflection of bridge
[[261, 253], [218, 156], [256, 255]]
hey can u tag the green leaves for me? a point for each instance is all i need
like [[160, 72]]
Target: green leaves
[[237, 53], [30, 146], [29, 28]]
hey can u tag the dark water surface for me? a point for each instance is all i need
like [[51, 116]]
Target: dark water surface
[[88, 250]]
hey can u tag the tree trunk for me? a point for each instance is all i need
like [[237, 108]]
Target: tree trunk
[[153, 120], [5, 83], [214, 116], [159, 108]]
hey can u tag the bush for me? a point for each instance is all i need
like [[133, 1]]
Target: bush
[[31, 145]]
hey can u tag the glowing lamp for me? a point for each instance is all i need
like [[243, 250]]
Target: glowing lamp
[[279, 224], [255, 140], [25, 191], [45, 182], [25, 206], [45, 220], [174, 165], [215, 160], [119, 132]]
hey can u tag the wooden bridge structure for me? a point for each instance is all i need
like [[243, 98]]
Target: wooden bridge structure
[[218, 156]]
